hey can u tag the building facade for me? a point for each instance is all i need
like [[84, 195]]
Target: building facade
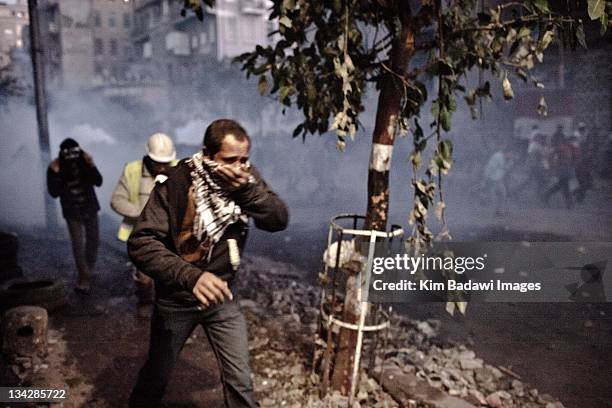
[[91, 43], [112, 22], [86, 43], [175, 48], [13, 17]]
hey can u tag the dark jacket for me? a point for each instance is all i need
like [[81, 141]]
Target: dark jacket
[[84, 201], [153, 243]]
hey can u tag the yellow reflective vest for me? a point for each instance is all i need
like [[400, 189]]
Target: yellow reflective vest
[[132, 173]]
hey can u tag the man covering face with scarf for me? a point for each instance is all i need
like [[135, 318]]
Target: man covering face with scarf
[[189, 238]]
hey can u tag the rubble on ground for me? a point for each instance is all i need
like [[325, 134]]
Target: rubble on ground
[[282, 310]]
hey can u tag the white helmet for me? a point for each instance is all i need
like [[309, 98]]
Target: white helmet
[[161, 148]]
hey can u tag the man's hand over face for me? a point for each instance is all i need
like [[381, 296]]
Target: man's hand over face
[[88, 159], [55, 166], [235, 176], [210, 289]]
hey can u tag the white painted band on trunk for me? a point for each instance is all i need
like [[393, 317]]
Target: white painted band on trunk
[[380, 159]]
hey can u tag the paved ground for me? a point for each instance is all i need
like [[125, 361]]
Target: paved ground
[[108, 345]]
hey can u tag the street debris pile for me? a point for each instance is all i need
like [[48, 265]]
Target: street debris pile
[[456, 369], [282, 311]]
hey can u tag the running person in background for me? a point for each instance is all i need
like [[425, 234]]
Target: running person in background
[[131, 195], [72, 177], [563, 162], [495, 175]]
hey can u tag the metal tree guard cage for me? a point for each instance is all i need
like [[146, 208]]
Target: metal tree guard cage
[[329, 320]]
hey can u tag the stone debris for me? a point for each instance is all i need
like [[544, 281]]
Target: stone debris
[[282, 312], [58, 371]]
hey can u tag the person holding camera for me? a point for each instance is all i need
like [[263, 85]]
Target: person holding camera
[[72, 177]]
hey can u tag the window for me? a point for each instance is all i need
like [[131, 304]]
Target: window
[[113, 47], [178, 43], [127, 20], [97, 19], [98, 46], [112, 20], [147, 49], [230, 30], [248, 31]]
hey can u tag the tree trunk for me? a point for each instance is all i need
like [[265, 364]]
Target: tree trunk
[[389, 105]]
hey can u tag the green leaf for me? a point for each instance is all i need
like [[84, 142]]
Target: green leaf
[[546, 40], [299, 129], [445, 119], [435, 108], [541, 5], [288, 4], [604, 25], [507, 88], [415, 158], [285, 21], [484, 91], [418, 130], [452, 103], [420, 186], [446, 149], [311, 93], [262, 86], [470, 97], [420, 146], [260, 69], [580, 35], [523, 32], [284, 93], [444, 68], [542, 107], [596, 8]]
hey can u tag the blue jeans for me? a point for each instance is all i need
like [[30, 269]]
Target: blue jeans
[[226, 329]]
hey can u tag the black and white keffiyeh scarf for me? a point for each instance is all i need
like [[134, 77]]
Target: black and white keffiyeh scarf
[[215, 209]]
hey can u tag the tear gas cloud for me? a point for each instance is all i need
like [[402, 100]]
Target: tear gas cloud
[[316, 180]]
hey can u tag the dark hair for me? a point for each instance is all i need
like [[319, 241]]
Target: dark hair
[[71, 160], [68, 143], [69, 150], [216, 132]]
